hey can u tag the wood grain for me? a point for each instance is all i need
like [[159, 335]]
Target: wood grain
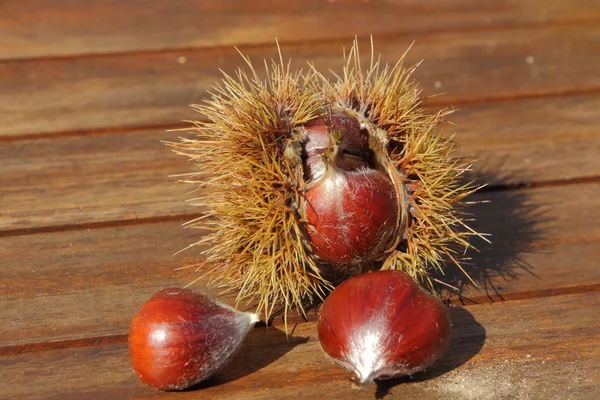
[[90, 219], [87, 283], [495, 352], [81, 284], [63, 182], [531, 140], [43, 28], [87, 179], [40, 97]]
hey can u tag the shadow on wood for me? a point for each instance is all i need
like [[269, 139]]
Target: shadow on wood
[[262, 347], [467, 339], [513, 223]]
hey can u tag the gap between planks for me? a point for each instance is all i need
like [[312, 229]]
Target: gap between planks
[[343, 40], [185, 217], [86, 95], [182, 217], [435, 102], [462, 302], [114, 27], [545, 347], [123, 177], [89, 283]]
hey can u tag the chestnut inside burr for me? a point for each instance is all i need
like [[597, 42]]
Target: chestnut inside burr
[[353, 206], [336, 139]]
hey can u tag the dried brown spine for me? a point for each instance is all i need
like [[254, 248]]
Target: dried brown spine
[[252, 167]]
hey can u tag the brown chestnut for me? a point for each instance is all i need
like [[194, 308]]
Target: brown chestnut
[[351, 215], [180, 338], [383, 325], [351, 204]]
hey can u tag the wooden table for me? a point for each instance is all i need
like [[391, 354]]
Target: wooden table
[[90, 219]]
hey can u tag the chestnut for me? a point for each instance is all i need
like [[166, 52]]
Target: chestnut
[[383, 325], [351, 206], [351, 217], [180, 338]]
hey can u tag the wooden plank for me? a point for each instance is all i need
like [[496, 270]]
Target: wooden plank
[[88, 283], [73, 283], [90, 179], [69, 95], [42, 28], [128, 256], [494, 353], [532, 140], [125, 176], [534, 249]]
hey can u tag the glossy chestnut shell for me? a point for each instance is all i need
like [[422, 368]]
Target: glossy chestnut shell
[[351, 205], [383, 325], [180, 338]]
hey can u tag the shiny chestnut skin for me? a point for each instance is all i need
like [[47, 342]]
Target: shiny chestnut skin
[[350, 204], [351, 217], [180, 338], [383, 325]]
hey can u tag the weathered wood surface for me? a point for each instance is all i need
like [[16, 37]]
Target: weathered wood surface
[[43, 28], [124, 176], [48, 96], [543, 348], [90, 219], [105, 274]]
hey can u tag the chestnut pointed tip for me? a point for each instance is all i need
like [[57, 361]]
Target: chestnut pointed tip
[[253, 318], [365, 376], [366, 355]]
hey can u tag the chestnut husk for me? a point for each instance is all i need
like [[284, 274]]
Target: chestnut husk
[[307, 180]]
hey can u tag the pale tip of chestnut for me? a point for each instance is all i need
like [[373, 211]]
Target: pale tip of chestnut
[[383, 325], [254, 318]]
